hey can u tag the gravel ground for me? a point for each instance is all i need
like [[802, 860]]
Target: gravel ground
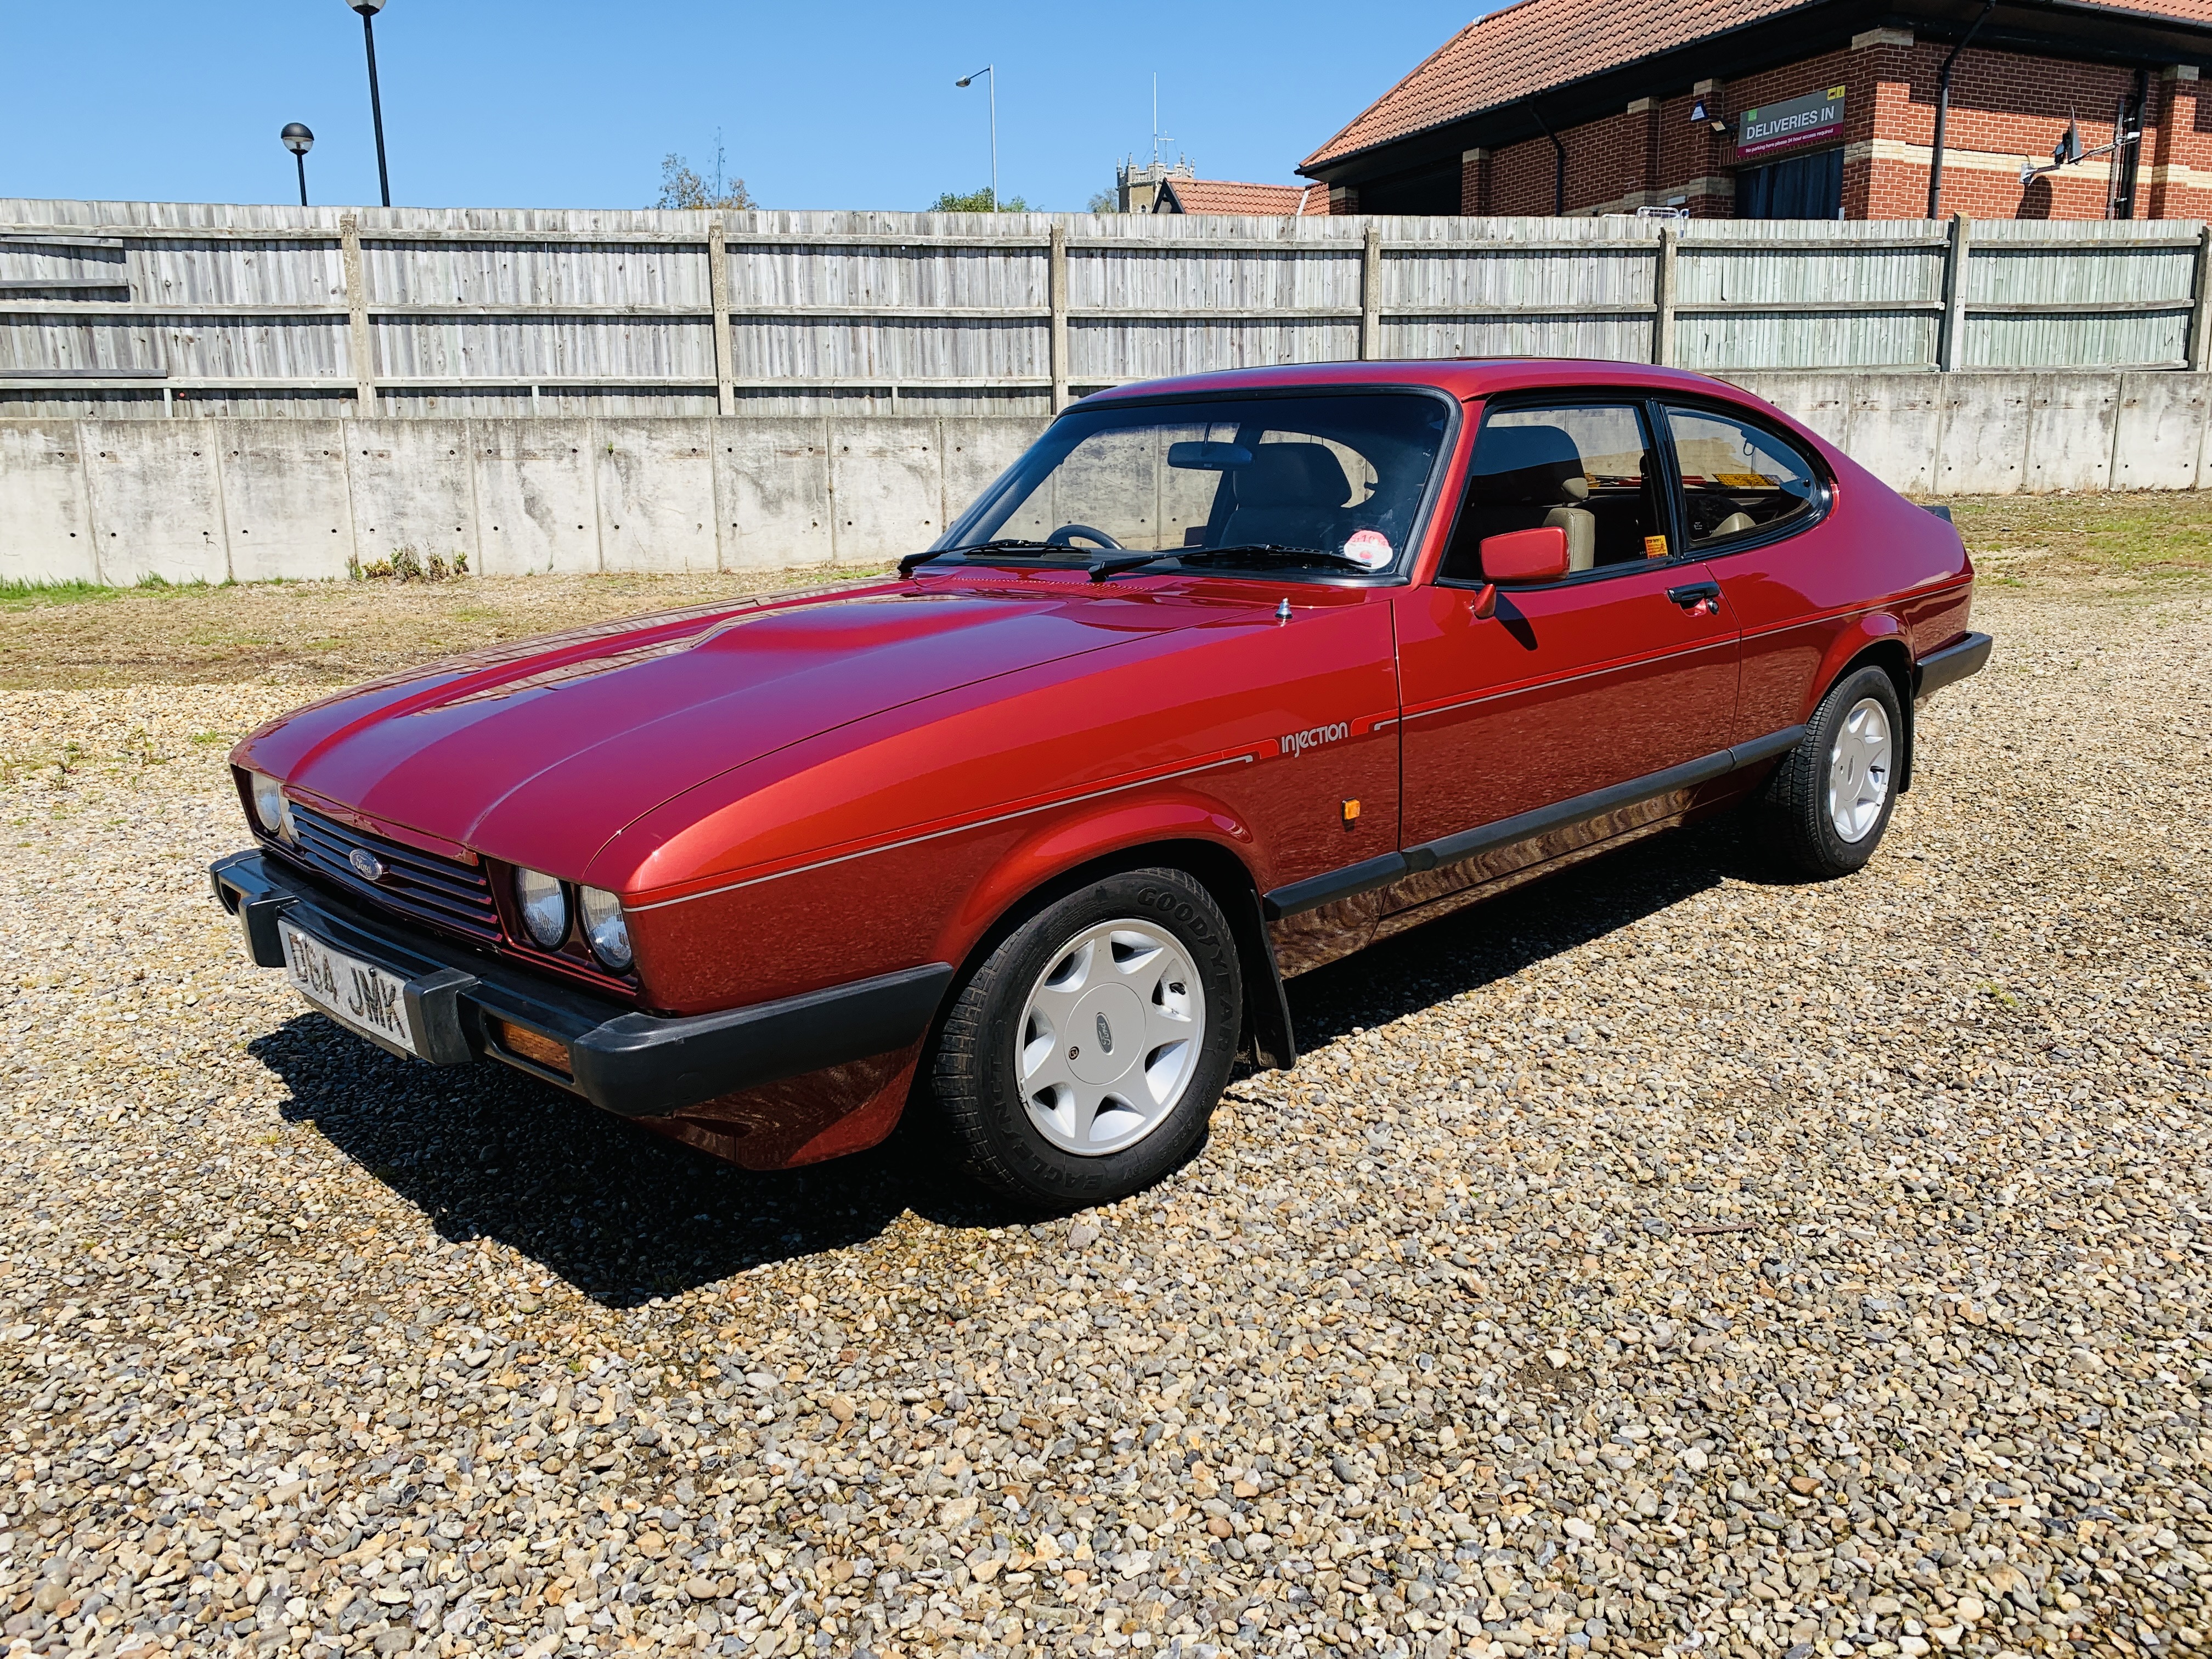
[[1661, 1260]]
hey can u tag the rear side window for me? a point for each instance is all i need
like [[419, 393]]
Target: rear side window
[[1582, 468], [1738, 480]]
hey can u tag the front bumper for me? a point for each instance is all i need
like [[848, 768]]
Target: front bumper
[[632, 1064]]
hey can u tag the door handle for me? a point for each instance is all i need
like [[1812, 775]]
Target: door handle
[[1699, 599]]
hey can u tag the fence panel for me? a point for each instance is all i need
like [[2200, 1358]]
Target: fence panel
[[117, 308]]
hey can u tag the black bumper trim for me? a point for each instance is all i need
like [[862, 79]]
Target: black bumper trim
[[1951, 665], [1371, 874], [632, 1064], [1348, 882]]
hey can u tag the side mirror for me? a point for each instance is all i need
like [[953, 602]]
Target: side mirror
[[1525, 555]]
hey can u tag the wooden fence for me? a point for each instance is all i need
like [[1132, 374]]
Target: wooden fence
[[118, 308]]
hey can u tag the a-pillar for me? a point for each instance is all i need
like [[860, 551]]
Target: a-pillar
[[2175, 181]]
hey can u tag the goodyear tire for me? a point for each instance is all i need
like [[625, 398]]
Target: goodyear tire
[[1830, 799], [1081, 1059]]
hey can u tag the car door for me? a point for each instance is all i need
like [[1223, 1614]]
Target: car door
[[1754, 505], [1621, 672]]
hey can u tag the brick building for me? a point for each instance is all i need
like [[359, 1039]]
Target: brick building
[[1794, 109]]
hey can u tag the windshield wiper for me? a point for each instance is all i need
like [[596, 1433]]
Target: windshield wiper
[[1004, 545], [1265, 553]]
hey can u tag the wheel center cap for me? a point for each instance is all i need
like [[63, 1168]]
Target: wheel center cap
[[1108, 1032]]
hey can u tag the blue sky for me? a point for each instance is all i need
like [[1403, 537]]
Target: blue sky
[[495, 103]]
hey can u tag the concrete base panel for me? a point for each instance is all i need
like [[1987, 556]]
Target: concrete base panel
[[156, 497], [537, 507], [45, 521]]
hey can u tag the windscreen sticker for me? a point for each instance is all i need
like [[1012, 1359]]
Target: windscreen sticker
[[1369, 549]]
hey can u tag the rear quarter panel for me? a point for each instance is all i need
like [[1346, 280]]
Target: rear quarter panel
[[1876, 568]]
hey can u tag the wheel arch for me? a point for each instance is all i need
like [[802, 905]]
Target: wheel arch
[[1267, 1037], [1878, 641]]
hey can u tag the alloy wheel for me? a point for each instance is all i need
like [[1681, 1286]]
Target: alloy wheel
[[1859, 769], [1109, 1037]]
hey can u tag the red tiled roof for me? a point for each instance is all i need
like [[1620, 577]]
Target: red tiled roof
[[1222, 196], [1540, 44]]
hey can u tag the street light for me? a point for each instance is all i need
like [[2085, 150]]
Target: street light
[[368, 9], [299, 141], [990, 69]]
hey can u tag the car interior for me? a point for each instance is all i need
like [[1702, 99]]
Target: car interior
[[1584, 471], [1293, 494], [1737, 478]]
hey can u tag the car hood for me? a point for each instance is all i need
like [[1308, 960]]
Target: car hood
[[539, 753]]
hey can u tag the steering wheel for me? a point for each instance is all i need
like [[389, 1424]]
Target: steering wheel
[[1064, 536]]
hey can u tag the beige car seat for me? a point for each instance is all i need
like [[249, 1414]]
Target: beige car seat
[[1578, 522], [1735, 525], [1527, 476]]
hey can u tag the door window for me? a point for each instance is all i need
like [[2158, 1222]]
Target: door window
[[1582, 468], [1738, 479]]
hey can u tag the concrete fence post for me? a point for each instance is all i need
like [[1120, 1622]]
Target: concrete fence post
[[1662, 297], [2197, 350], [1951, 339], [360, 347], [1056, 296], [1370, 296], [717, 283]]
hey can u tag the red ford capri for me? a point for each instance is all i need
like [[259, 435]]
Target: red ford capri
[[1227, 677]]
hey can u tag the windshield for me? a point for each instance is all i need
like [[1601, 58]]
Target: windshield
[[1307, 485]]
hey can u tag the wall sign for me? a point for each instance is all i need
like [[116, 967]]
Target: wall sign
[[1776, 126]]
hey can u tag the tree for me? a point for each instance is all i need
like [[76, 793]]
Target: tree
[[681, 187], [1105, 201], [977, 201]]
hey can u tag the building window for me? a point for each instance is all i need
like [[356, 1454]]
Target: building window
[[1802, 187]]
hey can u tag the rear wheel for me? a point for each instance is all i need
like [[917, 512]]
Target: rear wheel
[[1082, 1058], [1830, 798]]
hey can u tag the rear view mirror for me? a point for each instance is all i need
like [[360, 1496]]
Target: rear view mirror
[[1525, 555], [1193, 455]]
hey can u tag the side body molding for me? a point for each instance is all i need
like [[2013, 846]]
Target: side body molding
[[1371, 874]]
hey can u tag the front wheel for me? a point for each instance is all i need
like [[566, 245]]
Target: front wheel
[[1830, 799], [1082, 1058]]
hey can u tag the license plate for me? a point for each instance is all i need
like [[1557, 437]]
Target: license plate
[[357, 995]]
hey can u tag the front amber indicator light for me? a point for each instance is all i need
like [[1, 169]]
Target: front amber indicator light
[[534, 1047]]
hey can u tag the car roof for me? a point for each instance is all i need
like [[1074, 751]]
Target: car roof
[[1461, 377]]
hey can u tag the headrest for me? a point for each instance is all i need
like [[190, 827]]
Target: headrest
[[1529, 464], [1293, 474]]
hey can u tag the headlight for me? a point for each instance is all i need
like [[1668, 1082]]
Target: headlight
[[604, 926], [271, 807], [544, 906]]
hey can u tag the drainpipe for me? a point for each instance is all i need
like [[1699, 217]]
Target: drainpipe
[[1943, 109], [1559, 161]]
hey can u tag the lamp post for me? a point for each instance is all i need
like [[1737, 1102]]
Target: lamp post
[[368, 9], [990, 69], [299, 141]]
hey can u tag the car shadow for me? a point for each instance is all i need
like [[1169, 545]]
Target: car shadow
[[625, 1217], [1496, 938], [620, 1214]]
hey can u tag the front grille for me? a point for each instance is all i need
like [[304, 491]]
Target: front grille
[[440, 892]]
